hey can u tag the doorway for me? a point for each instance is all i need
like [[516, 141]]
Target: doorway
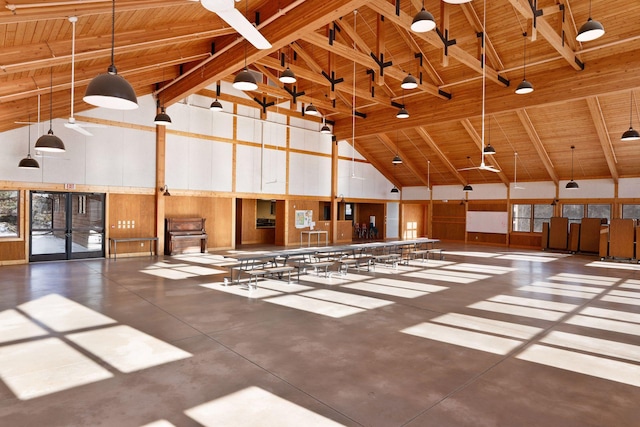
[[66, 226]]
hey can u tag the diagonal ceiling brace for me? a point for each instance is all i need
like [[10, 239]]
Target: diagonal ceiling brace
[[381, 63], [445, 40], [264, 104], [332, 79], [294, 94]]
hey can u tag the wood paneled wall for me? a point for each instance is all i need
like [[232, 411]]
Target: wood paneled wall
[[131, 215], [218, 212], [12, 251], [366, 210], [448, 221], [414, 220], [249, 233], [293, 233]]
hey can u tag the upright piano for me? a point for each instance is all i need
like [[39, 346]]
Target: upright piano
[[184, 235]]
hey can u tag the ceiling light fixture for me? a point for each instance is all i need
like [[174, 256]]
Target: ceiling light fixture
[[525, 86], [402, 113], [468, 186], [244, 80], [396, 160], [162, 118], [489, 149], [287, 76], [216, 105], [311, 110], [49, 142], [456, 1], [165, 190], [572, 185], [423, 21], [325, 129], [409, 82], [110, 90], [29, 162], [631, 134], [395, 190], [590, 30]]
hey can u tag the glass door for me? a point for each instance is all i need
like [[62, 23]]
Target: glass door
[[66, 226]]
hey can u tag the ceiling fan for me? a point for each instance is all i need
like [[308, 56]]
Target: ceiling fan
[[71, 123], [232, 16]]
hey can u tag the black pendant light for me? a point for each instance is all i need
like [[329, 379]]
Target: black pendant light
[[311, 110], [468, 186], [525, 86], [631, 134], [162, 118], [49, 142], [110, 90], [287, 76], [395, 190], [572, 185], [423, 21], [29, 162], [590, 30], [409, 82]]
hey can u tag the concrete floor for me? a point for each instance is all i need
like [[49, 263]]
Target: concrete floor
[[487, 337]]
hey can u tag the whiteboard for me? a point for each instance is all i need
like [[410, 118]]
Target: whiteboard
[[487, 222]]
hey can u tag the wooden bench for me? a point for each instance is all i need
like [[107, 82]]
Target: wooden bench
[[185, 235]]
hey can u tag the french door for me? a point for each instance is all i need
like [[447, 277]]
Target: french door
[[66, 226]]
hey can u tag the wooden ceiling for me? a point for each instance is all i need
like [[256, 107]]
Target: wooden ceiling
[[175, 48]]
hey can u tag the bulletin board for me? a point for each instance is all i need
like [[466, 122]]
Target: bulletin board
[[304, 218], [488, 222]]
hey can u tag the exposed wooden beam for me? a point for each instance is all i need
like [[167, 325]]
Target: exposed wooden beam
[[550, 35], [444, 159], [455, 51], [414, 47], [306, 16], [492, 55], [603, 136], [406, 160], [537, 143]]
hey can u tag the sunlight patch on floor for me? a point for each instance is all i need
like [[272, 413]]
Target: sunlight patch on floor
[[534, 303], [253, 407], [62, 314], [482, 324], [311, 305], [15, 326], [46, 366], [359, 301], [480, 268], [463, 338], [127, 349], [586, 364], [514, 310]]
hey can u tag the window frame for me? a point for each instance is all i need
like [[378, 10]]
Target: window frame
[[532, 217], [19, 234]]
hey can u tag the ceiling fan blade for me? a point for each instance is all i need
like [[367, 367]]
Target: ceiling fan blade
[[233, 17], [78, 128], [490, 169], [469, 169]]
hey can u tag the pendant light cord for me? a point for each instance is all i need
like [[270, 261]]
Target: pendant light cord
[[484, 72], [631, 111], [51, 100], [113, 31], [524, 57]]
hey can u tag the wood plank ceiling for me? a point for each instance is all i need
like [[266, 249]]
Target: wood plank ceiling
[[175, 48]]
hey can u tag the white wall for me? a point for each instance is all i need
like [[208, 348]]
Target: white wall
[[534, 190], [629, 188], [589, 189], [416, 193]]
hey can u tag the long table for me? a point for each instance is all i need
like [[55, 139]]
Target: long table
[[253, 260]]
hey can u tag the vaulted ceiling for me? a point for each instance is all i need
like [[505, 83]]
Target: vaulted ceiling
[[349, 58]]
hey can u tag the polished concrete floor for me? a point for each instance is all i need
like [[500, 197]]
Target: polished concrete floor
[[485, 337]]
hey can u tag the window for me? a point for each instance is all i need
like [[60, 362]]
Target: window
[[522, 218], [631, 211], [541, 214], [9, 203], [529, 218], [599, 211], [575, 213]]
